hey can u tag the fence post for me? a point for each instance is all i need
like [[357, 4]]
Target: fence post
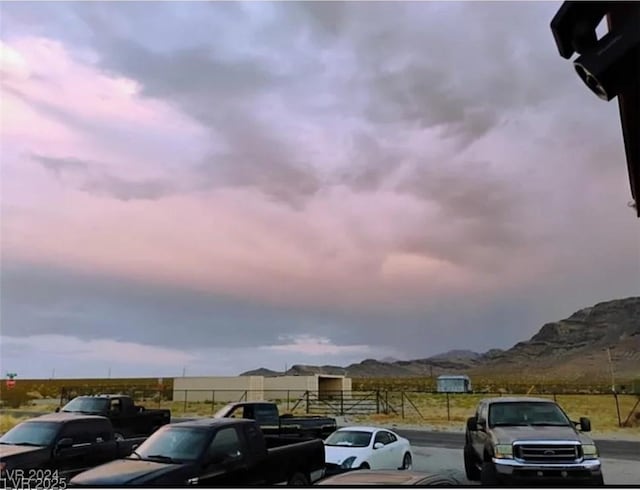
[[342, 402], [213, 401], [615, 395], [378, 401], [307, 395], [184, 410], [555, 399], [402, 403], [448, 409]]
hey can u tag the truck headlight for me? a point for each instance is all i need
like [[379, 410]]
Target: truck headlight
[[347, 463], [589, 451], [504, 451]]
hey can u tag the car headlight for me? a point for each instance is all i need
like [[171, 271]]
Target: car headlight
[[348, 462], [504, 451], [589, 451]]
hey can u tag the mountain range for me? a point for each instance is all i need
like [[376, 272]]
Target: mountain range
[[574, 348]]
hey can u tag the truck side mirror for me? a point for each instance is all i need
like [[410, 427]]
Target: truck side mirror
[[64, 443], [585, 424], [472, 424]]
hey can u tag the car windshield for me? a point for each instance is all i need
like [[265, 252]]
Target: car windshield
[[82, 404], [174, 444], [31, 434], [351, 438], [526, 413]]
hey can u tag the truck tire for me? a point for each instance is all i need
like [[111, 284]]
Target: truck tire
[[298, 479], [488, 474], [471, 464], [598, 481]]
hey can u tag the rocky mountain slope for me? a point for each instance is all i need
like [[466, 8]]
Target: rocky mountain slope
[[573, 348]]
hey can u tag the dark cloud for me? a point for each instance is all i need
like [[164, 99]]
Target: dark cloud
[[125, 190], [88, 177], [61, 165], [255, 156], [476, 209], [46, 300]]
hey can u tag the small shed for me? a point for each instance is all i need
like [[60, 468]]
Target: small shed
[[454, 383]]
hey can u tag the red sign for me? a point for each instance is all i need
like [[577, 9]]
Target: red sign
[[11, 383]]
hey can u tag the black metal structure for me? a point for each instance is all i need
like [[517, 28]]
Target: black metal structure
[[609, 66]]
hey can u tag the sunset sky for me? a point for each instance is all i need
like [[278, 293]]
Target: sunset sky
[[223, 186]]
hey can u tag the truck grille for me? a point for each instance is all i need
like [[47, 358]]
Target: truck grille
[[547, 453]]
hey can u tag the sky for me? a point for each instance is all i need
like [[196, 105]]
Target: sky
[[209, 187]]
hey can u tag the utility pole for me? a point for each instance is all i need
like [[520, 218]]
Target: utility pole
[[613, 379]]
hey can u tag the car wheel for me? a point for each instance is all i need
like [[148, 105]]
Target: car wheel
[[118, 436], [488, 474], [407, 462], [299, 480], [365, 466], [471, 464]]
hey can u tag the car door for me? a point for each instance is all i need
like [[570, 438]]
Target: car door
[[395, 450], [225, 460], [103, 446], [76, 455], [481, 436], [381, 457]]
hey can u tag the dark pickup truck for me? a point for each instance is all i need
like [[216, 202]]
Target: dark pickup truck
[[128, 419], [62, 443], [272, 423], [227, 452]]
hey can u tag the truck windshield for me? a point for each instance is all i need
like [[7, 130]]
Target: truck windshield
[[526, 413], [31, 434], [174, 444], [89, 405], [351, 438]]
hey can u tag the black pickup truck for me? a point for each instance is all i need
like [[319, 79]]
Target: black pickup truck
[[227, 452], [128, 419], [272, 423], [62, 443]]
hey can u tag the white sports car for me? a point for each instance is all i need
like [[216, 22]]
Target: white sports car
[[366, 448]]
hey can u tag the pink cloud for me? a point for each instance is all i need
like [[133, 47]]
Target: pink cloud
[[345, 248]]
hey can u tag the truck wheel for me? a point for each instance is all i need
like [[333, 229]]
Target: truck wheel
[[488, 474], [470, 464], [118, 436], [299, 480], [407, 462]]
